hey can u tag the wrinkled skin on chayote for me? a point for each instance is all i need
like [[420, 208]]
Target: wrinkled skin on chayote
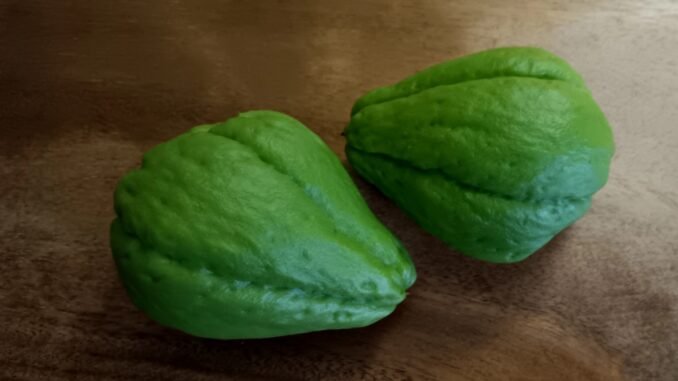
[[494, 153], [252, 228]]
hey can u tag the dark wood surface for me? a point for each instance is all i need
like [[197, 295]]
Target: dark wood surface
[[87, 86]]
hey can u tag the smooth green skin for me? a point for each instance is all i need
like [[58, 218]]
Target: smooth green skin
[[252, 228], [494, 153]]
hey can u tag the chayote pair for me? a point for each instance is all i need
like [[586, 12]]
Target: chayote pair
[[252, 228]]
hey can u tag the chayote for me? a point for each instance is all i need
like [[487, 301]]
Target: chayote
[[494, 153], [252, 228]]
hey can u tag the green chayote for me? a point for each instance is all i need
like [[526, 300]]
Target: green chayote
[[494, 153], [252, 228]]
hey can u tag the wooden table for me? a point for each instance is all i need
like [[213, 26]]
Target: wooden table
[[86, 87]]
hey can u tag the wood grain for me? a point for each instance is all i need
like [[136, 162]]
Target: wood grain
[[86, 87]]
